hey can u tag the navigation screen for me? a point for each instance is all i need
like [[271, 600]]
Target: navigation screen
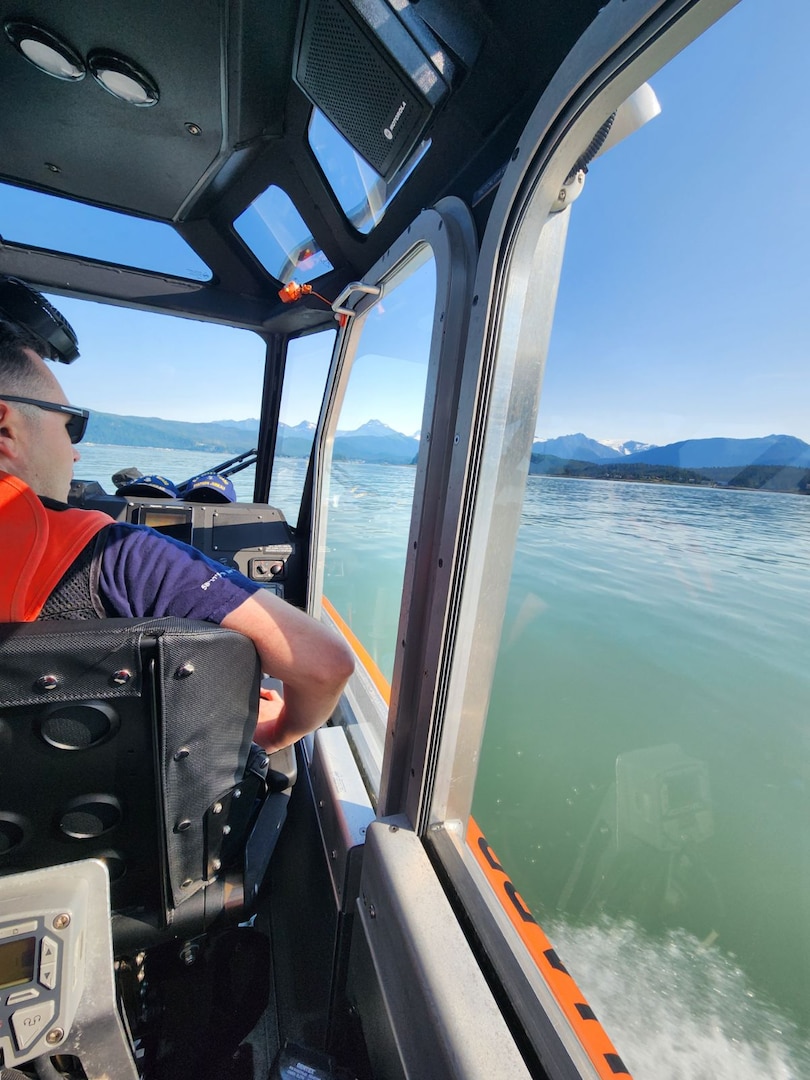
[[174, 521], [17, 961]]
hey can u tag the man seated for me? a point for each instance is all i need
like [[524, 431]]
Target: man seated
[[62, 562]]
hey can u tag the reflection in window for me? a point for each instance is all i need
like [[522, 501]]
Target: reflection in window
[[645, 775], [362, 193], [277, 235], [372, 475]]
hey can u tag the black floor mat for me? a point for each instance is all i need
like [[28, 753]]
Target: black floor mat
[[204, 1013]]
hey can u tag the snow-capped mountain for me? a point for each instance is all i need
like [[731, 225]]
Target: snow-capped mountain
[[576, 448], [630, 446]]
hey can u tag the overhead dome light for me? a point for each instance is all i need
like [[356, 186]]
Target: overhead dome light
[[46, 51], [123, 79]]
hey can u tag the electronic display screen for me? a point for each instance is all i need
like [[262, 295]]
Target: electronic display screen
[[171, 520], [17, 961]]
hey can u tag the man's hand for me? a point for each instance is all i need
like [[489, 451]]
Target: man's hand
[[270, 725], [312, 661]]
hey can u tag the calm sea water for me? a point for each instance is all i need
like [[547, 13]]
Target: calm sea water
[[649, 722], [645, 774]]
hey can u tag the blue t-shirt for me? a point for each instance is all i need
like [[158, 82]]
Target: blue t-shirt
[[144, 574]]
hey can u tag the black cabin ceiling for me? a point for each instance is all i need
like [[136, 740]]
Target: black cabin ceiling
[[227, 70]]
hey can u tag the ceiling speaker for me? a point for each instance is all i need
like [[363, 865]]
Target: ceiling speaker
[[360, 65]]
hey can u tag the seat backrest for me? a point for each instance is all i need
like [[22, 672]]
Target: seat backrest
[[126, 740]]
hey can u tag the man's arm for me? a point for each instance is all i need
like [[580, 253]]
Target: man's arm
[[312, 661], [145, 574]]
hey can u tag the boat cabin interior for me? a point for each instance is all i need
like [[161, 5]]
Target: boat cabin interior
[[350, 178]]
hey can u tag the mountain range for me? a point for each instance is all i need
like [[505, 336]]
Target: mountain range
[[376, 442], [686, 454], [372, 442], [580, 448]]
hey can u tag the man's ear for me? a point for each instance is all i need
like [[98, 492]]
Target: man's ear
[[9, 435]]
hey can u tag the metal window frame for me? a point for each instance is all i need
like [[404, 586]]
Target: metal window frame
[[448, 231]]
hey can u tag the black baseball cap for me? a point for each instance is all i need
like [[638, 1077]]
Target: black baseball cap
[[26, 308]]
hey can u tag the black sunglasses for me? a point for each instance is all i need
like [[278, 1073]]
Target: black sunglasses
[[77, 422]]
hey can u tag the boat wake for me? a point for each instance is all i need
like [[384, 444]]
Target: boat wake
[[677, 1008]]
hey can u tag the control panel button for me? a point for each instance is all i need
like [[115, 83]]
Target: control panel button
[[47, 963], [29, 1023], [48, 951], [29, 994], [17, 929]]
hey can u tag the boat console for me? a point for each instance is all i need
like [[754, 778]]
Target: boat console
[[56, 972], [253, 538]]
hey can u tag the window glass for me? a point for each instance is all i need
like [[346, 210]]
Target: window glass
[[372, 474], [645, 773], [49, 221], [277, 235], [159, 398], [362, 193], [308, 360]]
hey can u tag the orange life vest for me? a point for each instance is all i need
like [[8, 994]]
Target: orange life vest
[[37, 545]]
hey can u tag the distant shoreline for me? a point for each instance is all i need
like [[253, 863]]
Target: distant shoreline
[[782, 479]]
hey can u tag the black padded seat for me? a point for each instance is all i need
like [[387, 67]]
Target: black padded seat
[[126, 740]]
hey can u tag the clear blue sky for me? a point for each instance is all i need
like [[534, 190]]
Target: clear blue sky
[[684, 309]]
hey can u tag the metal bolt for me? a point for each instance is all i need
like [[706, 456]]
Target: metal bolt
[[121, 677], [216, 808], [186, 884], [184, 671], [372, 911], [237, 793], [49, 165], [181, 826], [183, 752], [216, 864], [193, 129], [46, 683], [54, 1036], [563, 195], [188, 954], [61, 922], [334, 853], [226, 829], [393, 828]]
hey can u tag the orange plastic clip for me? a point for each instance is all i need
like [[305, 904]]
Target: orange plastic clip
[[292, 291]]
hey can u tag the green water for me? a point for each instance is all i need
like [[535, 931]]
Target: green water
[[649, 721], [645, 774]]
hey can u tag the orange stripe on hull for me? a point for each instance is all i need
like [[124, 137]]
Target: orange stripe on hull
[[362, 654], [579, 1014]]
